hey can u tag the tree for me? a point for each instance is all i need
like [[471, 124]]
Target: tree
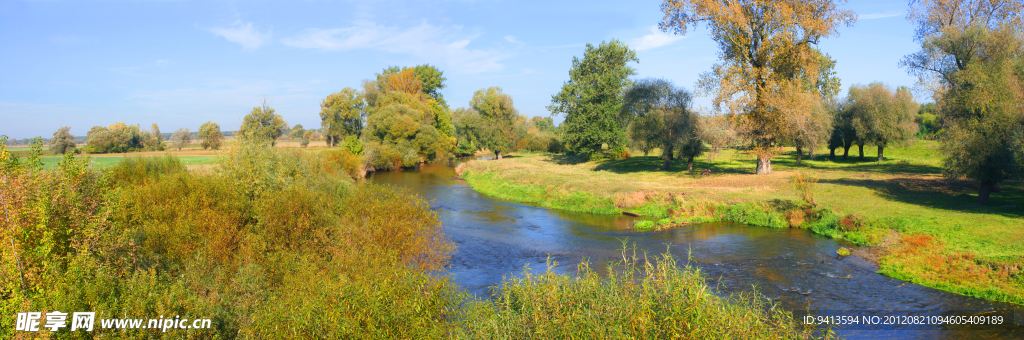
[[468, 126], [843, 134], [983, 109], [156, 141], [117, 137], [341, 114], [62, 141], [181, 138], [881, 116], [768, 58], [405, 125], [210, 133], [499, 117], [971, 59], [262, 124], [717, 131], [297, 131], [663, 118], [592, 98]]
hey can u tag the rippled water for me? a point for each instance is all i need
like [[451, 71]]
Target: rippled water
[[800, 270]]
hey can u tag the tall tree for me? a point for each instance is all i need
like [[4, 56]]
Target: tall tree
[[62, 141], [341, 114], [768, 57], [881, 116], [971, 58], [717, 131], [663, 117], [156, 141], [181, 138], [499, 117], [210, 133], [592, 98], [262, 124], [843, 135]]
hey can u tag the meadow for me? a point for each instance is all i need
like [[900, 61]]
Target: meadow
[[914, 223]]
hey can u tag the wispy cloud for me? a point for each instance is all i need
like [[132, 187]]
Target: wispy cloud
[[243, 34], [888, 14], [444, 45], [657, 38]]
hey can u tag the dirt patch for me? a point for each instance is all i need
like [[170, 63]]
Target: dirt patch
[[874, 253]]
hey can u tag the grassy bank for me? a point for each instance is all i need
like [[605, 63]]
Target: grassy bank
[[922, 227]]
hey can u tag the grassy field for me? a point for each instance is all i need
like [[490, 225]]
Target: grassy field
[[917, 225]]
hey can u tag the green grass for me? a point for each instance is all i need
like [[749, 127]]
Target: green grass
[[106, 162], [905, 194]]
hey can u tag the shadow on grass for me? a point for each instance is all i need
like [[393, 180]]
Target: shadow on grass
[[653, 164], [854, 164], [944, 194]]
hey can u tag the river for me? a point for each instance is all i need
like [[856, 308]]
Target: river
[[797, 269]]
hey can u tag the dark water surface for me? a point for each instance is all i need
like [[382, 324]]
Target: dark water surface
[[796, 268]]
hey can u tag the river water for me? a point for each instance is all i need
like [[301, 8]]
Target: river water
[[793, 267]]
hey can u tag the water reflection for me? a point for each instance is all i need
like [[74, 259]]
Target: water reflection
[[798, 269]]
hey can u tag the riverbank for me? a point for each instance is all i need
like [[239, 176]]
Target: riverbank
[[919, 226]]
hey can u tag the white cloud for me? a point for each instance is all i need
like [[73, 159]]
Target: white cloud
[[443, 45], [657, 38], [243, 34], [511, 39], [882, 15]]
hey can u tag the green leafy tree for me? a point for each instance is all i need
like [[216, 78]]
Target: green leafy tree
[[984, 136], [769, 62], [592, 98], [210, 133], [499, 117], [117, 137], [971, 58], [297, 131], [262, 124], [62, 141], [405, 125], [843, 134], [881, 116], [341, 114], [662, 116], [181, 138], [468, 126]]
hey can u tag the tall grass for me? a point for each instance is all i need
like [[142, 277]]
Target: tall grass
[[638, 298]]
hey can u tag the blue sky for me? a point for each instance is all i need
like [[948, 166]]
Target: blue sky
[[182, 63]]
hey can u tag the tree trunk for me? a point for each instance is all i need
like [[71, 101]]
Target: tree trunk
[[497, 155], [860, 147], [984, 191], [689, 164], [832, 154], [764, 165], [668, 159], [799, 154], [810, 152], [880, 150]]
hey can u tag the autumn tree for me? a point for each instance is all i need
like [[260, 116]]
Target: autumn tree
[[405, 124], [592, 98], [768, 58], [881, 116], [181, 138], [341, 114], [662, 116], [156, 139], [499, 118], [262, 124], [62, 141], [297, 131], [210, 133]]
